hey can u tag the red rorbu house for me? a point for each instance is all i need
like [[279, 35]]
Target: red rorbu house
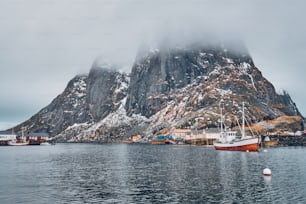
[[36, 138]]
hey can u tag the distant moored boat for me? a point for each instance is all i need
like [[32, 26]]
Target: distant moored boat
[[19, 141]]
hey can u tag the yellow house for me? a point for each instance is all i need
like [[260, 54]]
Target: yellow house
[[188, 134], [135, 138], [180, 133]]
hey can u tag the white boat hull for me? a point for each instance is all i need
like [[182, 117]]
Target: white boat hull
[[13, 143]]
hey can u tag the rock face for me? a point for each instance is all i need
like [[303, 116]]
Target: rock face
[[162, 72], [167, 88], [105, 89], [213, 73]]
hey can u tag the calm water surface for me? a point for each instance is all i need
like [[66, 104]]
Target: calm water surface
[[120, 173]]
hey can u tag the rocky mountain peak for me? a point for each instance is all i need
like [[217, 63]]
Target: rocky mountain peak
[[160, 71]]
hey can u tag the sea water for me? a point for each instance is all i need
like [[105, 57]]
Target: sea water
[[123, 173]]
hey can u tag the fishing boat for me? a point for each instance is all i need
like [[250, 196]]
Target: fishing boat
[[19, 141], [161, 140], [231, 142]]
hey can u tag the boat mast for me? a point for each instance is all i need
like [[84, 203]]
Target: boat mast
[[22, 133], [243, 121], [221, 123]]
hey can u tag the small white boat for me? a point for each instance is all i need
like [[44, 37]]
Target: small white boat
[[17, 143]]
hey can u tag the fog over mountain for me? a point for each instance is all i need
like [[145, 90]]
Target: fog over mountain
[[45, 43]]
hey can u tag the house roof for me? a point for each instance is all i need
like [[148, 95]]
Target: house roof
[[32, 134], [181, 130]]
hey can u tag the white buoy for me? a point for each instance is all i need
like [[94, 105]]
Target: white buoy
[[265, 150], [247, 150], [267, 172]]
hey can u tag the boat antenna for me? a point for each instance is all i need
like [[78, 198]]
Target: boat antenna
[[22, 133], [249, 126], [243, 122], [238, 123]]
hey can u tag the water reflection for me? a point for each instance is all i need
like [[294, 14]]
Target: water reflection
[[267, 180], [83, 173]]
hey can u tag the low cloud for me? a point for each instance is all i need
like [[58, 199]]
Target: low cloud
[[48, 42]]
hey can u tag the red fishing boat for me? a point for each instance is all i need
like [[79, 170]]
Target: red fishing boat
[[230, 141]]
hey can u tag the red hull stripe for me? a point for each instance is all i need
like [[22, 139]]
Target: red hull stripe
[[250, 147]]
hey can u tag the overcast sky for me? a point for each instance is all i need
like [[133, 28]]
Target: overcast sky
[[44, 43]]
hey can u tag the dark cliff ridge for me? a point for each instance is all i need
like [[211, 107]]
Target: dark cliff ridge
[[105, 90], [167, 88], [155, 77]]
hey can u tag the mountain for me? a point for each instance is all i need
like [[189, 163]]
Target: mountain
[[178, 86], [86, 100], [66, 109], [170, 87]]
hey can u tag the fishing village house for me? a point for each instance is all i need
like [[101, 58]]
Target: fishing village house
[[200, 137], [36, 138]]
